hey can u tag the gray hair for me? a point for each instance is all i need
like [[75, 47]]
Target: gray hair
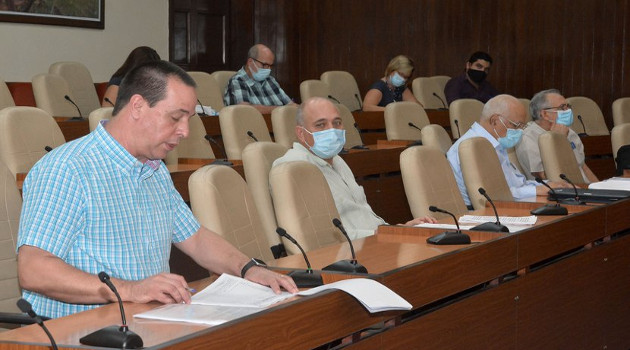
[[539, 102], [253, 51], [498, 105], [299, 116]]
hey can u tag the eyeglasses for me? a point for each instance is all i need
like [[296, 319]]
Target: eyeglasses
[[514, 124], [264, 65], [562, 107]]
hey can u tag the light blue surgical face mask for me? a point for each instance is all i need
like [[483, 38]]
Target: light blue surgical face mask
[[565, 117], [397, 80], [327, 143], [511, 138], [261, 74]]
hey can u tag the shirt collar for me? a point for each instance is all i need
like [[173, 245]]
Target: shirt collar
[[481, 131], [249, 80], [313, 158]]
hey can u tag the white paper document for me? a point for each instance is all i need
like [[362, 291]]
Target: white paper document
[[505, 220], [207, 110], [193, 313], [614, 183], [374, 296]]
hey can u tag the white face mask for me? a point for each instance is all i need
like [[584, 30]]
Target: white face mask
[[261, 73]]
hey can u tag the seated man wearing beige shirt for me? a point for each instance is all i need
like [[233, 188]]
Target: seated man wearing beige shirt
[[321, 137]]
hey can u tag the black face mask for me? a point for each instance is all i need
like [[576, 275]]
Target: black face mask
[[478, 76]]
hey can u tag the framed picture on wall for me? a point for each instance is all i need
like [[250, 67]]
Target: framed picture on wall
[[72, 13]]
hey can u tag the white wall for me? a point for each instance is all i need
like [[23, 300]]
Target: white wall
[[28, 49]]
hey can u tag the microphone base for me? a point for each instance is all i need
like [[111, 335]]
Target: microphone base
[[222, 162], [306, 279], [491, 227], [582, 134], [351, 266], [415, 143], [359, 147], [76, 119], [550, 209], [113, 337], [449, 238]]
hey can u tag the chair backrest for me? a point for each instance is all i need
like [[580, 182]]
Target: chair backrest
[[95, 117], [314, 88], [441, 81], [24, 132], [464, 113], [81, 84], [304, 205], [10, 206], [49, 91], [397, 118], [221, 201], [481, 168], [222, 77], [424, 89], [344, 88], [235, 122], [621, 111], [434, 135], [525, 102], [208, 90], [591, 114], [283, 125], [353, 138], [6, 99], [558, 158], [195, 145], [429, 180], [514, 160], [619, 136], [258, 157]]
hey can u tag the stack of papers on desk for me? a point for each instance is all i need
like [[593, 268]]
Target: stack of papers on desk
[[614, 183], [505, 220]]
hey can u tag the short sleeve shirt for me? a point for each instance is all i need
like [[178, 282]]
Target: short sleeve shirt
[[388, 96], [242, 88]]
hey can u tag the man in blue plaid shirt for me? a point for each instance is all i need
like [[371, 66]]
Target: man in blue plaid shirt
[[254, 85], [106, 202]]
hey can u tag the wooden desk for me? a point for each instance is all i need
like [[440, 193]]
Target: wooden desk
[[73, 129]]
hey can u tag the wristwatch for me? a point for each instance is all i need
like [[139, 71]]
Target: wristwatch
[[252, 263]]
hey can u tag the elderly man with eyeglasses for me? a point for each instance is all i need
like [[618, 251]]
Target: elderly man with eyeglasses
[[253, 84], [502, 122], [550, 112]]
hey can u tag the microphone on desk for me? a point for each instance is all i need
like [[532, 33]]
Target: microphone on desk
[[223, 161], [441, 100], [75, 105], [417, 142], [303, 279], [448, 237], [334, 99], [490, 226], [113, 336], [362, 145], [346, 265], [251, 134], [27, 308], [203, 110], [359, 100], [550, 208], [583, 127], [576, 200], [459, 134], [108, 101], [48, 148]]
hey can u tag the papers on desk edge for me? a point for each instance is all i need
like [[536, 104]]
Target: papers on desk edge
[[231, 297]]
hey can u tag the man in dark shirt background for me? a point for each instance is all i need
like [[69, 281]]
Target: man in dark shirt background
[[472, 82]]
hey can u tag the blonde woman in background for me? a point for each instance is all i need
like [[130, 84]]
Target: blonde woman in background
[[393, 87]]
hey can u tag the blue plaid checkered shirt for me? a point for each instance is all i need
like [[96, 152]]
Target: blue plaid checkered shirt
[[95, 206], [242, 88]]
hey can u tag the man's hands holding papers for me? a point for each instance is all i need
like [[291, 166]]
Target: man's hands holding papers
[[272, 279]]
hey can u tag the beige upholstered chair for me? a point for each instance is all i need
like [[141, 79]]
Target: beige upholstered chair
[[257, 160], [514, 160], [235, 123], [619, 136], [464, 113], [208, 91], [222, 77], [97, 115], [441, 81], [481, 168], [195, 145], [424, 89], [304, 205], [314, 88], [10, 206], [435, 136], [6, 99], [621, 111], [591, 114], [558, 158], [24, 133], [283, 124], [525, 102], [344, 88], [397, 118], [221, 201], [353, 138], [49, 91], [429, 180], [81, 84]]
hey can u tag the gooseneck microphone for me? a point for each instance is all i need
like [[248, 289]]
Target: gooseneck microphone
[[459, 134], [362, 145], [334, 99], [346, 265], [48, 148], [251, 134], [75, 105], [490, 226], [417, 142], [303, 279], [359, 100], [27, 308], [576, 200], [549, 208], [448, 237], [203, 110], [223, 161], [583, 127], [113, 336], [441, 100], [108, 101]]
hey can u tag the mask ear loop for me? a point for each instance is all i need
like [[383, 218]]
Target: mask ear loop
[[303, 140]]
